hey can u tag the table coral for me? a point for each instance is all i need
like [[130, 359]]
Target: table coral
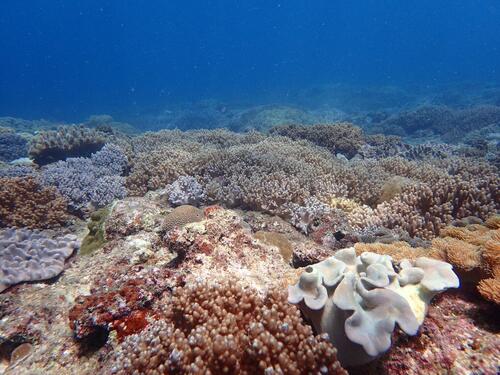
[[31, 256], [68, 141]]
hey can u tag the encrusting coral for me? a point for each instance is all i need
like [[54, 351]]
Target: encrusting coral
[[225, 328], [358, 300], [30, 255], [25, 203]]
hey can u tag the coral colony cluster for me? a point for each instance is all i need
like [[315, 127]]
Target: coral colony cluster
[[283, 249]]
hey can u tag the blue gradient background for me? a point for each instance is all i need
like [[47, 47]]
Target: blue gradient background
[[69, 59]]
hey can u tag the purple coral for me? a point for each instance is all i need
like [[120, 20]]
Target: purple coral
[[185, 190], [96, 180], [12, 146], [27, 255]]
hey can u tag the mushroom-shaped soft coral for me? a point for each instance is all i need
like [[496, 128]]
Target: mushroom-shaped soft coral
[[309, 289], [359, 300]]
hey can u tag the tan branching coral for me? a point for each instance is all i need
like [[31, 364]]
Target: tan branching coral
[[397, 251], [343, 138], [270, 173], [226, 329], [24, 203]]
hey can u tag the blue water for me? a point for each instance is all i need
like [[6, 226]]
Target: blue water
[[69, 59]]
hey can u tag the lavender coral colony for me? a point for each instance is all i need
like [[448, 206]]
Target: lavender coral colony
[[296, 249]]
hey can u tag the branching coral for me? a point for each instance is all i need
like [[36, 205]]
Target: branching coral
[[25, 203], [96, 180], [225, 328], [341, 138], [358, 300], [12, 146], [185, 190]]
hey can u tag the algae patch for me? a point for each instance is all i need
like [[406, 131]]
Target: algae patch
[[95, 238]]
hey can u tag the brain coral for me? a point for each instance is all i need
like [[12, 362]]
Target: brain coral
[[358, 300], [25, 203], [180, 216], [226, 329], [30, 255]]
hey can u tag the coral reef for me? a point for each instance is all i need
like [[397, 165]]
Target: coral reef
[[341, 138], [378, 297], [12, 146], [473, 250], [95, 181], [25, 203], [31, 256], [451, 124], [68, 141], [225, 328]]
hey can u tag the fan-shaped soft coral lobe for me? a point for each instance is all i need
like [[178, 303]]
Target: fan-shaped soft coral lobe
[[359, 300]]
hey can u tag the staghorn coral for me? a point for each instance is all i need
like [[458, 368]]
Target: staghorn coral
[[377, 296], [27, 255], [68, 141], [224, 328], [25, 203], [343, 138]]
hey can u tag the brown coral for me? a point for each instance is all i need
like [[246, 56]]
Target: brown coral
[[343, 138], [474, 252], [68, 141], [182, 215], [227, 329], [24, 203]]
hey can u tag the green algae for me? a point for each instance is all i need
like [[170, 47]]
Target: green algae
[[95, 239]]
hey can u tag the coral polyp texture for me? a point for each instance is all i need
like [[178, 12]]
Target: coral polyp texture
[[226, 329], [32, 256], [358, 300], [26, 203], [68, 141]]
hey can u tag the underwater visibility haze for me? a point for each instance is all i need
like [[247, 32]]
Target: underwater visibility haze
[[249, 187]]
